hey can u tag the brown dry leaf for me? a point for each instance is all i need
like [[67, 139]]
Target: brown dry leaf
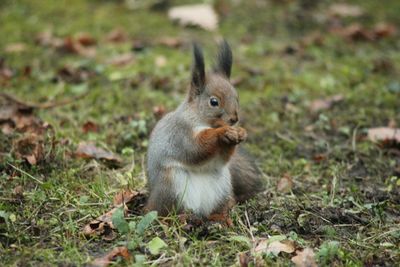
[[124, 197], [74, 46], [319, 157], [85, 39], [16, 115], [15, 48], [285, 184], [345, 10], [90, 151], [275, 247], [323, 104], [29, 147], [384, 30], [355, 32], [102, 226], [74, 75], [117, 35], [305, 258], [90, 126], [202, 15], [46, 38], [384, 134], [112, 256], [122, 60], [173, 42]]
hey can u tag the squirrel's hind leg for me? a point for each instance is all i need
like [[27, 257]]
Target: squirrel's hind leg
[[161, 198], [246, 177]]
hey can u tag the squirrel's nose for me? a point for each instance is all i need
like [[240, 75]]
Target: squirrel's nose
[[233, 120]]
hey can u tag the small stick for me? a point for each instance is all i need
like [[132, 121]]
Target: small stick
[[45, 105], [24, 172]]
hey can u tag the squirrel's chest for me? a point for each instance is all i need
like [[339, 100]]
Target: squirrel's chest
[[202, 189]]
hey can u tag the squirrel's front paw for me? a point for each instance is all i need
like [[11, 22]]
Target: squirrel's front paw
[[233, 135]]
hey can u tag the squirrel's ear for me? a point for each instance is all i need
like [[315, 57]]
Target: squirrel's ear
[[224, 60], [198, 72]]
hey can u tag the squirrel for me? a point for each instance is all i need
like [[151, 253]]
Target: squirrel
[[194, 162]]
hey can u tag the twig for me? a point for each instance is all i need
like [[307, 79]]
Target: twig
[[24, 172], [45, 105]]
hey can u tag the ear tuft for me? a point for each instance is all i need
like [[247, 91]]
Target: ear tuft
[[224, 60], [198, 69]]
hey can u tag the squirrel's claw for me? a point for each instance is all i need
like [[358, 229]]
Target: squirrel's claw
[[234, 135]]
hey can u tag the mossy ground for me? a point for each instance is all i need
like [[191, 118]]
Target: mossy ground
[[345, 202]]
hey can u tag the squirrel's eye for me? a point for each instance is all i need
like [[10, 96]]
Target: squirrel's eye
[[214, 102]]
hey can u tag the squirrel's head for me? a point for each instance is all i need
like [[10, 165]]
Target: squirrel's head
[[212, 94]]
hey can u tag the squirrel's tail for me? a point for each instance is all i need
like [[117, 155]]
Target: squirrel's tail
[[246, 177]]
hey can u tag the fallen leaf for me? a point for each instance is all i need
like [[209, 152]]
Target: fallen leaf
[[112, 256], [304, 258], [90, 151], [384, 30], [29, 147], [103, 225], [46, 38], [117, 35], [74, 46], [122, 60], [173, 42], [323, 104], [15, 48], [90, 126], [384, 135], [16, 115], [202, 15], [275, 246], [345, 10], [319, 157], [85, 39], [285, 184], [125, 196], [354, 32], [160, 61], [74, 75]]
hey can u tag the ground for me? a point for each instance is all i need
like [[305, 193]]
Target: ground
[[327, 187]]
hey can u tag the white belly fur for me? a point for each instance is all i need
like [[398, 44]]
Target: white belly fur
[[203, 188]]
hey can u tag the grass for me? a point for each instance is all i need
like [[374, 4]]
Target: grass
[[345, 200]]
